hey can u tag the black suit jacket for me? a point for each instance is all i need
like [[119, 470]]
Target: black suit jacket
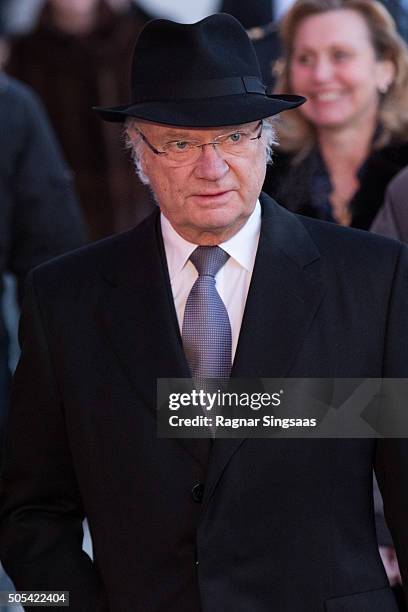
[[283, 525]]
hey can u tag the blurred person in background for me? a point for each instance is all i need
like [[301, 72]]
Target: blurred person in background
[[392, 218], [39, 213], [78, 55], [339, 151], [40, 217]]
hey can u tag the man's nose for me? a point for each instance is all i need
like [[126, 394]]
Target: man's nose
[[211, 164]]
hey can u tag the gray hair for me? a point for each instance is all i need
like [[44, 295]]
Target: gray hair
[[135, 145]]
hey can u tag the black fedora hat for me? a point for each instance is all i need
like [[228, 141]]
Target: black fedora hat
[[204, 74]]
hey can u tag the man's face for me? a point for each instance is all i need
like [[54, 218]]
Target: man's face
[[208, 200]]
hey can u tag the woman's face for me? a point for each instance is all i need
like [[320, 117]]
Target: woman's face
[[335, 67], [75, 6]]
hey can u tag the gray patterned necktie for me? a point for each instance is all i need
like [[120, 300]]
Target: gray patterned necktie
[[206, 327]]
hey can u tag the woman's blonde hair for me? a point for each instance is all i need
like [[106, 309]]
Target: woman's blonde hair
[[296, 134]]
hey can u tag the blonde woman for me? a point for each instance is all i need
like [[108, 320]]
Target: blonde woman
[[338, 151]]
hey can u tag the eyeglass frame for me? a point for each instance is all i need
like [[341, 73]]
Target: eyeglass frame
[[203, 144]]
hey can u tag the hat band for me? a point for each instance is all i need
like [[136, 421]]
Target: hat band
[[187, 90]]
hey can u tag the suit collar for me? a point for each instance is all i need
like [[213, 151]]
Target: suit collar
[[282, 300]]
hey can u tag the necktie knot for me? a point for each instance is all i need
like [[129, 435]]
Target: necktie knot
[[208, 260]]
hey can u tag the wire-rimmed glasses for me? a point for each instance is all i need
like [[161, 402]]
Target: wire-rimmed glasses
[[184, 152]]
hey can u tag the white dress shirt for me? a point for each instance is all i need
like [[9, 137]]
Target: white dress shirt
[[232, 281]]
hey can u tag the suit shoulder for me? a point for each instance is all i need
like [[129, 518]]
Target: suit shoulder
[[332, 239], [88, 263]]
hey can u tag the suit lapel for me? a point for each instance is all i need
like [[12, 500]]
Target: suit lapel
[[285, 292], [284, 295], [139, 317]]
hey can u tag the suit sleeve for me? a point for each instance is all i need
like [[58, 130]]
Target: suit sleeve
[[391, 460], [41, 509]]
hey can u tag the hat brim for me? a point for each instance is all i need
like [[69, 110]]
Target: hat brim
[[210, 112]]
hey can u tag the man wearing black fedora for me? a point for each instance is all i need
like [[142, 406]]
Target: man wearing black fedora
[[219, 282]]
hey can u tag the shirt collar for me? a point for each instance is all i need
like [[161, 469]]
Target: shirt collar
[[242, 246]]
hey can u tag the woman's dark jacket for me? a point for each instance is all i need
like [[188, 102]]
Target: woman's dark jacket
[[304, 187]]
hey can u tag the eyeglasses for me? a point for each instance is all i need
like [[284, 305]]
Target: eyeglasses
[[184, 152]]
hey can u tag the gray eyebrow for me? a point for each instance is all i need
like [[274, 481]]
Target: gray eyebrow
[[187, 137], [171, 137]]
